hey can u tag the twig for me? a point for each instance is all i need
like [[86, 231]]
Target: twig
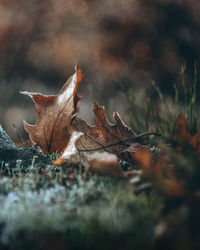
[[133, 139]]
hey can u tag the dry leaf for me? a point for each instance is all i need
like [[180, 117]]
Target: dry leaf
[[182, 136], [70, 150], [104, 135], [105, 164], [52, 131], [156, 169]]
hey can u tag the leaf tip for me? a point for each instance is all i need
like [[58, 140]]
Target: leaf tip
[[26, 93]]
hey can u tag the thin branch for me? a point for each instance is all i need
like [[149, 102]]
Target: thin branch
[[133, 139], [148, 134]]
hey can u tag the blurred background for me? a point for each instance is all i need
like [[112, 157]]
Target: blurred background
[[117, 43]]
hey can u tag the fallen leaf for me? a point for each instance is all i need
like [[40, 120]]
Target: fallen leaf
[[70, 150], [183, 137], [156, 170], [105, 164], [52, 131], [104, 135]]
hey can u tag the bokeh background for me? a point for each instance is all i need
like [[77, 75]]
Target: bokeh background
[[115, 42]]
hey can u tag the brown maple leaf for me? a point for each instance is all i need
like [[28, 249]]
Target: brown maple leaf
[[70, 150], [52, 131], [104, 135]]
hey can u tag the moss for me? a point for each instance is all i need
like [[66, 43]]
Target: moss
[[62, 216], [10, 155]]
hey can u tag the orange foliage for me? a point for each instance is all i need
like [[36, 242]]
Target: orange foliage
[[183, 137], [155, 168]]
